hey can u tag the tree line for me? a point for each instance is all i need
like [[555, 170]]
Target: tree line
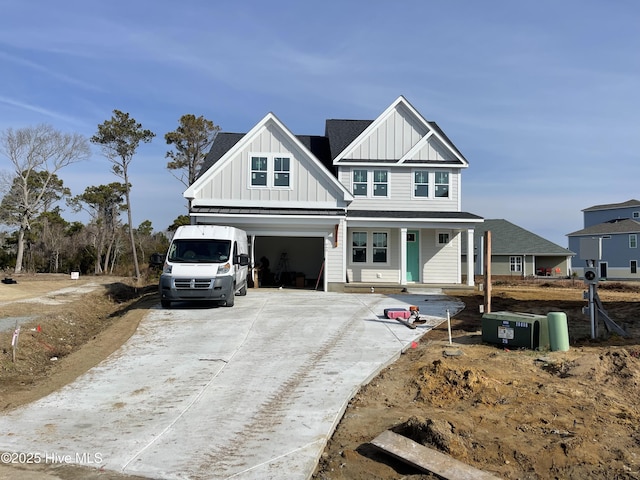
[[39, 239]]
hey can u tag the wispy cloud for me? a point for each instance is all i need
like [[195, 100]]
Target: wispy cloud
[[48, 71], [40, 111]]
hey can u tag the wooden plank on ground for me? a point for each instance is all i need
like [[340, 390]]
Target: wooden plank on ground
[[427, 459], [406, 323]]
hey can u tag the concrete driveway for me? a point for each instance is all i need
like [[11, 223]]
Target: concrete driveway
[[249, 392]]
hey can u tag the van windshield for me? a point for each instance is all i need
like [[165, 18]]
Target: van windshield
[[200, 251]]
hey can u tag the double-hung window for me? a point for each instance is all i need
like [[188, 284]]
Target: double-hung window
[[421, 183], [515, 264], [369, 247], [360, 183], [258, 171], [379, 247], [431, 183], [380, 183], [367, 183], [359, 247], [633, 240], [281, 169], [442, 184], [270, 171]]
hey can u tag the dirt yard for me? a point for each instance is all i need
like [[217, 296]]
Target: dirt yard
[[518, 414]]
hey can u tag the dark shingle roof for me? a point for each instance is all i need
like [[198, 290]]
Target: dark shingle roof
[[338, 135], [622, 225], [342, 132], [320, 147], [611, 206], [510, 239], [222, 144]]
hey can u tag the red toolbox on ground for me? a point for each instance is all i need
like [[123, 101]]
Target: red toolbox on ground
[[394, 313]]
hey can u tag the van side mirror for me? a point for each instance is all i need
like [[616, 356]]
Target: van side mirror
[[243, 260]]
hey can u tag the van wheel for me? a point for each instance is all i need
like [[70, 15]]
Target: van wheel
[[243, 290], [231, 300], [165, 303]]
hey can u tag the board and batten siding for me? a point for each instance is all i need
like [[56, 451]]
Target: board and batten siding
[[400, 193], [396, 135], [308, 183]]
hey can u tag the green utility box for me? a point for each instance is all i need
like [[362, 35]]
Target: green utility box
[[516, 330]]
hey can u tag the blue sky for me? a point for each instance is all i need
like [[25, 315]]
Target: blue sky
[[542, 98]]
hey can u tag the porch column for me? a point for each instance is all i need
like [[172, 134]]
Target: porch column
[[470, 258], [403, 256]]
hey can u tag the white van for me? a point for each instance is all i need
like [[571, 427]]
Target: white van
[[205, 263]]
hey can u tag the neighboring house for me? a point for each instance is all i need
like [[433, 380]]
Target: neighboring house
[[518, 252], [375, 201], [618, 225]]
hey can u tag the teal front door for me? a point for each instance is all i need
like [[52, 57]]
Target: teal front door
[[413, 256]]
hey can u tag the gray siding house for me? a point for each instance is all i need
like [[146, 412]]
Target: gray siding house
[[618, 227], [370, 201], [517, 252]]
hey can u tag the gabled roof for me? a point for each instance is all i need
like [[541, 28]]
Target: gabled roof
[[611, 206], [612, 227], [339, 135], [431, 129], [225, 141], [234, 143], [510, 239]]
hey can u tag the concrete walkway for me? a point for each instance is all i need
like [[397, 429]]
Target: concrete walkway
[[249, 392]]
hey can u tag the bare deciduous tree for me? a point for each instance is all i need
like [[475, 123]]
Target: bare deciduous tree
[[37, 153]]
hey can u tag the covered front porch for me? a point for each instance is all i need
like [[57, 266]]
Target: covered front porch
[[419, 253]]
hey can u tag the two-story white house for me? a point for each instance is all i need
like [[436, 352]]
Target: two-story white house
[[370, 201]]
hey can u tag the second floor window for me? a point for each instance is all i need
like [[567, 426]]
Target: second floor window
[[259, 171], [421, 183], [431, 184], [360, 183], [370, 182], [380, 183], [270, 171], [442, 184], [633, 241], [281, 171]]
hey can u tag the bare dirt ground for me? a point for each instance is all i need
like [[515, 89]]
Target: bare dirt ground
[[518, 414]]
